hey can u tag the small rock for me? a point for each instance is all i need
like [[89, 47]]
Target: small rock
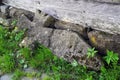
[[2, 15], [44, 19], [1, 73], [16, 13], [4, 22], [6, 77], [25, 42], [4, 8], [23, 22], [27, 78], [70, 26], [45, 77], [40, 34], [30, 70]]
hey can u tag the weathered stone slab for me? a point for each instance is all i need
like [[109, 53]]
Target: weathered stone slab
[[100, 16], [104, 41]]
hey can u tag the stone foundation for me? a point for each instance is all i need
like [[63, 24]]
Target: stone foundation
[[66, 40]]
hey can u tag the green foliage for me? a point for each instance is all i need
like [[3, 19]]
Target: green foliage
[[91, 52], [17, 75], [7, 63], [111, 57], [40, 56], [89, 78], [9, 48], [19, 36], [110, 73], [14, 22], [74, 63]]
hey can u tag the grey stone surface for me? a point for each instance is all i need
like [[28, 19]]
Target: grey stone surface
[[6, 77], [26, 42], [35, 29], [44, 19], [27, 78], [30, 70], [4, 22], [16, 13], [40, 34], [2, 15], [109, 1], [70, 26], [70, 40], [4, 11], [23, 22], [4, 8], [100, 16]]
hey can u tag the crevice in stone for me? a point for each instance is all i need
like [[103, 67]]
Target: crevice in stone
[[30, 17], [50, 38]]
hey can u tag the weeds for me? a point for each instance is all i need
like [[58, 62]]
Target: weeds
[[91, 52], [111, 71], [111, 57]]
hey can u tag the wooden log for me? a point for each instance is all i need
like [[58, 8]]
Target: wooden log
[[100, 16]]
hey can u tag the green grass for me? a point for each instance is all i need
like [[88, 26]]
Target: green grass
[[15, 59]]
